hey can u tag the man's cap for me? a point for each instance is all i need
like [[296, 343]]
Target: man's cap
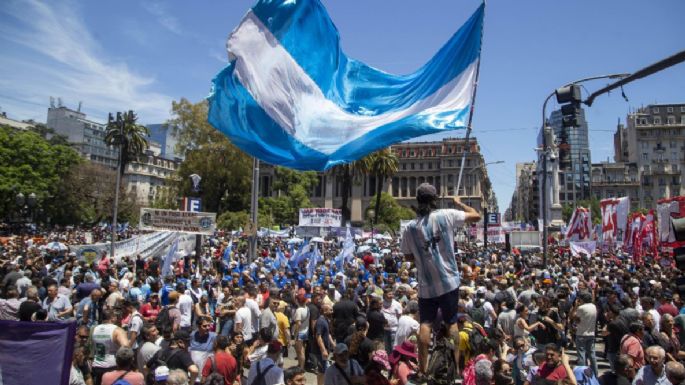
[[274, 347], [161, 373], [340, 348], [426, 193]]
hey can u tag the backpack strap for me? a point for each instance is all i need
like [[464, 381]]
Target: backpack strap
[[347, 378], [260, 375], [120, 377]]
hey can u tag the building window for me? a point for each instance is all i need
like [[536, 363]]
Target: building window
[[412, 165], [670, 120], [669, 109], [430, 165], [645, 156], [657, 120], [655, 110]]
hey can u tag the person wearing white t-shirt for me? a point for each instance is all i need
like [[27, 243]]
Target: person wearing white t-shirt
[[586, 322], [185, 306], [392, 311], [408, 323], [243, 321], [301, 328]]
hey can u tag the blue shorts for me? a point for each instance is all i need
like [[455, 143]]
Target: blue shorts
[[302, 336], [447, 303]]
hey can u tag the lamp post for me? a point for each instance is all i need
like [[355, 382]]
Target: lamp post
[[26, 205]]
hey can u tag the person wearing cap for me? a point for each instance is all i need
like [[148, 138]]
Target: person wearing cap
[[430, 237], [403, 361], [345, 370], [267, 368]]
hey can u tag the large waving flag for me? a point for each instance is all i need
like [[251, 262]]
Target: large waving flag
[[347, 252], [290, 96]]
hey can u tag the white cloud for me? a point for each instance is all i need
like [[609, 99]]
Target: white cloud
[[164, 18], [77, 68]]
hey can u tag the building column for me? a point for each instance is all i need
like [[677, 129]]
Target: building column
[[328, 191]]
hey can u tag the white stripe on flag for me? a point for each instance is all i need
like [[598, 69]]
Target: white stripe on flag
[[292, 99]]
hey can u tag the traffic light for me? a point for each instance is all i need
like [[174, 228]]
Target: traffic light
[[569, 97]]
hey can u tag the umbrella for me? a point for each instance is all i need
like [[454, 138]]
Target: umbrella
[[317, 239], [293, 241], [56, 246]]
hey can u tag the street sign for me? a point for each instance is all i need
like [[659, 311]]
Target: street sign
[[192, 204], [180, 221], [493, 219]]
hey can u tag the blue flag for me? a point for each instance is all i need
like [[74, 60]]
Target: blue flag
[[314, 258], [291, 97], [347, 252], [169, 258], [280, 259], [227, 252]]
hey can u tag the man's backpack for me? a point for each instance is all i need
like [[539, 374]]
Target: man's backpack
[[158, 360], [260, 379], [163, 321], [214, 378], [441, 367], [477, 312], [478, 338]]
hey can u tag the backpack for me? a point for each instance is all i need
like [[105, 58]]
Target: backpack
[[259, 379], [120, 380], [477, 312], [478, 338], [163, 321], [159, 359], [214, 378], [441, 367]]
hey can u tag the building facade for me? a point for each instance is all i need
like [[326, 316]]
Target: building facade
[[525, 201], [149, 177], [86, 136], [433, 162], [654, 140], [574, 158], [615, 180], [167, 139]]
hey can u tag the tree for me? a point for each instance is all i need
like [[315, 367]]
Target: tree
[[30, 164], [592, 203], [391, 213], [382, 165], [131, 140], [293, 188], [225, 170], [232, 220]]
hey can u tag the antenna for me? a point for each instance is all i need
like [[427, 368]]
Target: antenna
[[59, 102], [79, 106], [52, 102]]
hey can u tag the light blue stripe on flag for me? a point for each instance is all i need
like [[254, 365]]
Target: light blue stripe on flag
[[291, 97]]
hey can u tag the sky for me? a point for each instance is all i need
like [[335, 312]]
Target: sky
[[142, 55]]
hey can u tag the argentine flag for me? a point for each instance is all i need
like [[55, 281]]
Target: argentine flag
[[291, 97]]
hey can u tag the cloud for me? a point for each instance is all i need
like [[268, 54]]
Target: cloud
[[164, 18], [54, 53]]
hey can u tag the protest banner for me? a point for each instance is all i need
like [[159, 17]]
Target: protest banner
[[578, 248], [320, 217], [178, 221], [614, 219]]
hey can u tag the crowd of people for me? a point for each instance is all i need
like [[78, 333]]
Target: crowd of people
[[410, 310]]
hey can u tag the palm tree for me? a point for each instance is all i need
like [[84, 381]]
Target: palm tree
[[131, 140], [382, 164]]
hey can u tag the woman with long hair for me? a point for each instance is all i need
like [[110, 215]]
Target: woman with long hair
[[360, 345]]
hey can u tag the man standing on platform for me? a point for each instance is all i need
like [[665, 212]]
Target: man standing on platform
[[429, 241]]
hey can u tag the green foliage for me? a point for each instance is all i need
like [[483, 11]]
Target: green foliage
[[30, 164], [131, 139], [232, 220], [593, 204], [382, 164], [225, 170], [391, 213]]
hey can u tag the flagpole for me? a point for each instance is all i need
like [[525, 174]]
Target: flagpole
[[252, 255], [473, 104]]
